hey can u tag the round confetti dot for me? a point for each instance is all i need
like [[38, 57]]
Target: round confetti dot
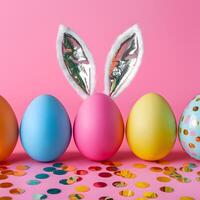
[[82, 188], [2, 168], [105, 174], [185, 132], [119, 184], [16, 191], [22, 167], [197, 179], [19, 173], [42, 176], [150, 195], [125, 174], [167, 189], [81, 172], [7, 172], [6, 185], [39, 196], [183, 179], [49, 169], [3, 176], [195, 108], [5, 198], [100, 184], [186, 198], [186, 169], [141, 198], [112, 168], [53, 191], [70, 180], [106, 198], [94, 168], [170, 169], [163, 179], [190, 165], [58, 165], [139, 165], [76, 196], [156, 169], [126, 193], [198, 173], [59, 172], [68, 168], [33, 182], [142, 184]]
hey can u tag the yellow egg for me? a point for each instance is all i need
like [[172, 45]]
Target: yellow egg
[[8, 129], [151, 127]]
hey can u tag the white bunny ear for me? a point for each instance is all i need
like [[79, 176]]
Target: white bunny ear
[[75, 61], [123, 61]]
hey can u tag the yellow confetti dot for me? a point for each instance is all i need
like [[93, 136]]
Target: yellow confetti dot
[[82, 188], [186, 198], [163, 179], [22, 167], [141, 198], [19, 173], [142, 184], [166, 189], [68, 168], [139, 165], [150, 195], [125, 174], [6, 198], [126, 193], [156, 169]]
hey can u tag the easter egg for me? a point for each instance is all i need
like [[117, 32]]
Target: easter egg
[[45, 129], [98, 128], [189, 128], [151, 127], [8, 129]]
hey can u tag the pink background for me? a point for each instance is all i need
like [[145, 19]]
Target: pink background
[[29, 67]]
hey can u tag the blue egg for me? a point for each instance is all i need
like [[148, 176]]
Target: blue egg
[[189, 128], [45, 129]]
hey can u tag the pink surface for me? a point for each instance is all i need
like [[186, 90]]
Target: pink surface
[[29, 67]]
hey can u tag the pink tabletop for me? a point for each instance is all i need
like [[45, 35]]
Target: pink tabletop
[[124, 168]]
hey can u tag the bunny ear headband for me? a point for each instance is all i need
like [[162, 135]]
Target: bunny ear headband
[[77, 64]]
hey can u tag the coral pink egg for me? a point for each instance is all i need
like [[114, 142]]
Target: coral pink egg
[[98, 128]]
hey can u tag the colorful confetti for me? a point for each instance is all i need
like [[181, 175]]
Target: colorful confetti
[[125, 174], [119, 184], [42, 176], [150, 195], [53, 191], [39, 196], [16, 191], [82, 188], [76, 196], [100, 184], [105, 174], [94, 168], [142, 184], [166, 189], [126, 193]]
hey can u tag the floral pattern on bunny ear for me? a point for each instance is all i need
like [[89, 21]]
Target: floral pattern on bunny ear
[[76, 61], [123, 61]]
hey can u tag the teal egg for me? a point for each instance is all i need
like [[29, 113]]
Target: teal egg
[[189, 128], [45, 130]]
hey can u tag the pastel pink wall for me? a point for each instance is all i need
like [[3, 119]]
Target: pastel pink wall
[[29, 67]]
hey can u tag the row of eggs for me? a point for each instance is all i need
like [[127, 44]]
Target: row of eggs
[[98, 129]]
